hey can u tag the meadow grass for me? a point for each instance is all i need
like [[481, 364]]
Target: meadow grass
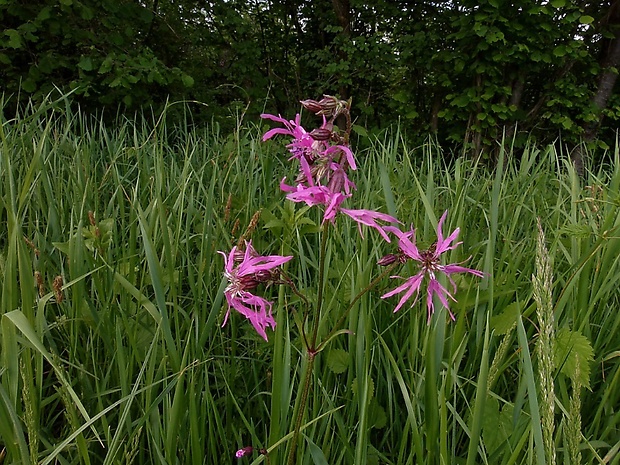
[[112, 349]]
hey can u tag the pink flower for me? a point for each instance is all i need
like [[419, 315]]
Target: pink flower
[[322, 178], [430, 265], [245, 271], [244, 452]]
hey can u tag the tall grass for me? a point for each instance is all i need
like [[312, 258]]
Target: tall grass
[[112, 301]]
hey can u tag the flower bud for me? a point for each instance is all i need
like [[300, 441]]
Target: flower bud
[[249, 282], [267, 276], [244, 452], [321, 134], [311, 105], [328, 102], [388, 259]]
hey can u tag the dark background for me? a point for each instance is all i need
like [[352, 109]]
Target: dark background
[[472, 73]]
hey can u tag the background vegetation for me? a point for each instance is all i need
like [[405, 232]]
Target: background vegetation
[[471, 72], [111, 349]]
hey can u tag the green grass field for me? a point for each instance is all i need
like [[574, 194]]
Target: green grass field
[[111, 345]]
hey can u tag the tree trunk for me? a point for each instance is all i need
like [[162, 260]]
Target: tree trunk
[[342, 8], [609, 61]]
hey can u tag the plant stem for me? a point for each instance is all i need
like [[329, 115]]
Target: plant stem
[[302, 406], [317, 317], [310, 347]]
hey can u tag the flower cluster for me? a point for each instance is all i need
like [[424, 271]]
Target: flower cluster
[[245, 270], [325, 159]]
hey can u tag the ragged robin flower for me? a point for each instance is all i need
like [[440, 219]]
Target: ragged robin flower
[[245, 271], [430, 266]]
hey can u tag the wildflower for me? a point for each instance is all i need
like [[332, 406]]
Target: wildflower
[[245, 270], [430, 265], [322, 178], [244, 452]]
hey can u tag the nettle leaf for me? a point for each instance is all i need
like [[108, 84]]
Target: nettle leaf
[[376, 414], [498, 426], [572, 354], [338, 360], [371, 388]]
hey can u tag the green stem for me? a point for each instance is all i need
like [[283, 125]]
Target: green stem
[[302, 406], [310, 348], [317, 317]]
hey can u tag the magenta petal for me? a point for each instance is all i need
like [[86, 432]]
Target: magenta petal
[[272, 132], [410, 286], [285, 187], [449, 269], [369, 218], [277, 119]]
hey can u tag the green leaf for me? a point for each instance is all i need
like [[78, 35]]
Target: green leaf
[[572, 354], [558, 3], [376, 414], [461, 101], [188, 81], [371, 388], [29, 85], [15, 39], [86, 64], [506, 320], [359, 130], [338, 360], [586, 19], [315, 451], [559, 51]]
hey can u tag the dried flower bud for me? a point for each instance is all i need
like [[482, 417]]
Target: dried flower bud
[[244, 452], [40, 284], [321, 134], [91, 218], [388, 259], [311, 105], [57, 285], [228, 207]]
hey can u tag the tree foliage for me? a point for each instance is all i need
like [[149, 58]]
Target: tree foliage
[[472, 71]]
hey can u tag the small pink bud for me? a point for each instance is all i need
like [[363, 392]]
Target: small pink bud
[[244, 452]]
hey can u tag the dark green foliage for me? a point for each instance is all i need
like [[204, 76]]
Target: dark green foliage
[[472, 72], [106, 51]]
